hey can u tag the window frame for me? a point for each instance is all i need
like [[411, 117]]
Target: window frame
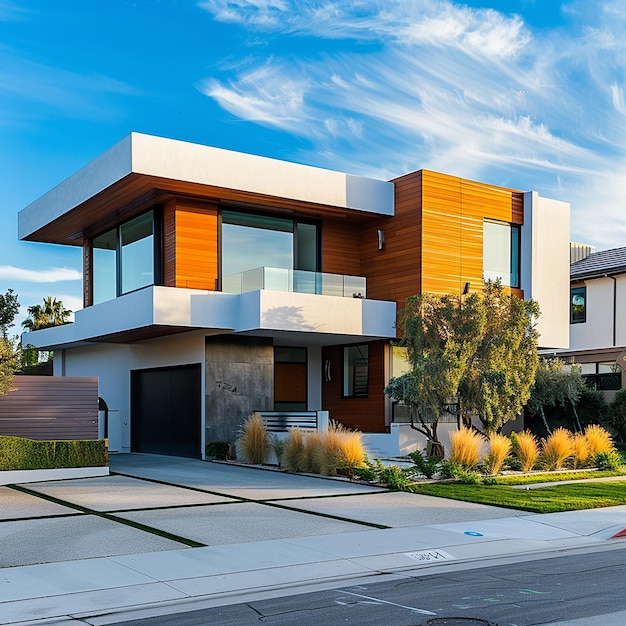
[[515, 253], [583, 291], [157, 253]]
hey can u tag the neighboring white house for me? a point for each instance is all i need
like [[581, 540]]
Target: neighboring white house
[[598, 316]]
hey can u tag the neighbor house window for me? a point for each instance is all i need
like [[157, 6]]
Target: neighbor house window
[[604, 376], [578, 305], [501, 253], [126, 258], [355, 371]]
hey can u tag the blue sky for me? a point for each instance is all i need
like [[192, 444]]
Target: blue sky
[[527, 94]]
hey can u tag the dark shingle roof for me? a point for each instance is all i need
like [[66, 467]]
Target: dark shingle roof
[[600, 264]]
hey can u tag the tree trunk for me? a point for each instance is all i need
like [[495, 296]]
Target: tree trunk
[[545, 421]]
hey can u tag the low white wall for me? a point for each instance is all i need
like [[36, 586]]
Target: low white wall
[[12, 477], [402, 440]]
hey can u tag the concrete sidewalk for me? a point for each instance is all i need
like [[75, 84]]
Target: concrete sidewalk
[[164, 531]]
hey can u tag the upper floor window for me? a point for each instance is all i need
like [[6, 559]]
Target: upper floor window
[[126, 258], [250, 241], [605, 376], [578, 305], [501, 253]]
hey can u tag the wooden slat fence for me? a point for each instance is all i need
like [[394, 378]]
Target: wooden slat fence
[[51, 407]]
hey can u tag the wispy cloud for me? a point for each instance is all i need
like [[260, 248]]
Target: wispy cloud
[[410, 84], [48, 275]]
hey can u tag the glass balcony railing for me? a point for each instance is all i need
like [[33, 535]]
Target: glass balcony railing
[[298, 281]]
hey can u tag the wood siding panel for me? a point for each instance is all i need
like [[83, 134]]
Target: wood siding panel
[[395, 272], [340, 248], [365, 414], [196, 246], [169, 243], [51, 407]]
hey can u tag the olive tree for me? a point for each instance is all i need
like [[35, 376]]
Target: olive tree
[[479, 352]]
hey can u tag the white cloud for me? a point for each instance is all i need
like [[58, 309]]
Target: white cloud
[[49, 275], [432, 84]]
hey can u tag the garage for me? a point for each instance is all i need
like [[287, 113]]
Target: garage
[[166, 410]]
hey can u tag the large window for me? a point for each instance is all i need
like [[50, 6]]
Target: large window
[[355, 371], [578, 305], [250, 241], [126, 258], [501, 253]]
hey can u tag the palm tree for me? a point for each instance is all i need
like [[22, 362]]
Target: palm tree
[[52, 313]]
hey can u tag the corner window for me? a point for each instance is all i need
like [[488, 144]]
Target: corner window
[[355, 371], [126, 258], [578, 305], [501, 253]]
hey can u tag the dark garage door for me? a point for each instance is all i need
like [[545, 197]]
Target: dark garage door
[[165, 410]]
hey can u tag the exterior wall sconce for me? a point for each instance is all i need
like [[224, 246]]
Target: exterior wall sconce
[[381, 239], [466, 289]]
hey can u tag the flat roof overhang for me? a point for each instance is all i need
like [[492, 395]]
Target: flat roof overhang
[[142, 170], [154, 312]]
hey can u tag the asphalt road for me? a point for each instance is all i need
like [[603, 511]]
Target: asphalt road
[[555, 589]]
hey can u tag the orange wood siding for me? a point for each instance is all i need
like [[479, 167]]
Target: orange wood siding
[[434, 242], [366, 414], [340, 247], [190, 247], [395, 272]]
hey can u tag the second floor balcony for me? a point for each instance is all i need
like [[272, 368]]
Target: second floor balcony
[[296, 281]]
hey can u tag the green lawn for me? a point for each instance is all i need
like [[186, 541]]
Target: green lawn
[[572, 497]]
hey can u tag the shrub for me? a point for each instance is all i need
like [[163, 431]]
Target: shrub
[[580, 450], [598, 439], [279, 447], [499, 449], [526, 449], [20, 453], [465, 447], [555, 449], [611, 460], [221, 450], [393, 476], [254, 441], [426, 466]]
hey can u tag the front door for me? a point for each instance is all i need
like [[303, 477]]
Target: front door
[[290, 379]]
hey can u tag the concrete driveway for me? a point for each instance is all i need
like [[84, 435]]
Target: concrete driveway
[[153, 503]]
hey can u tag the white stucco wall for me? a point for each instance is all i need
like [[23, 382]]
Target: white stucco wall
[[545, 256], [597, 331], [112, 364]]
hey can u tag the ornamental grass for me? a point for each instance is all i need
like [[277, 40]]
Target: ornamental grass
[[292, 458], [598, 439], [499, 450], [556, 449], [580, 450], [254, 441], [526, 449], [465, 445]]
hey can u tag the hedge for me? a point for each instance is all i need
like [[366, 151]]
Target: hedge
[[17, 453]]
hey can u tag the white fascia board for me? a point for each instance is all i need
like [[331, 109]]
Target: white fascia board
[[546, 265], [195, 163], [96, 176]]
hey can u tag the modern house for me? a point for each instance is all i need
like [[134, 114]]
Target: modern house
[[597, 311], [218, 283]]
